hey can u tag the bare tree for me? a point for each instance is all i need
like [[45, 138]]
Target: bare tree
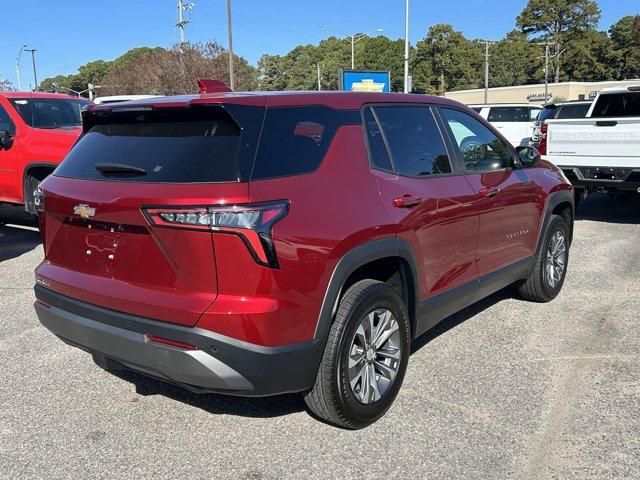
[[176, 71], [5, 84]]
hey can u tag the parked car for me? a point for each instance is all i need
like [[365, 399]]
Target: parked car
[[121, 98], [550, 111], [600, 152], [514, 120], [257, 244], [36, 132]]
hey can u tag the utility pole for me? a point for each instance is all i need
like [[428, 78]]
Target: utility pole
[[22, 47], [406, 46], [319, 84], [33, 62], [546, 44], [182, 23], [487, 43], [230, 34]]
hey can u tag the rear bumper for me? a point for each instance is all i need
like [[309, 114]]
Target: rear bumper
[[603, 178], [217, 364]]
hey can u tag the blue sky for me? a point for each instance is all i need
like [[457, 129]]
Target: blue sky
[[69, 34]]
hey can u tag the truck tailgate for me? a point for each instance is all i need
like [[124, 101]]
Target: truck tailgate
[[594, 142]]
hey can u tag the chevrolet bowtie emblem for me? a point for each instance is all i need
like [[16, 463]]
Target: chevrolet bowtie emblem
[[84, 210]]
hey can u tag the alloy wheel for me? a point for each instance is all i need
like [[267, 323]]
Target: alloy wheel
[[556, 259], [374, 356]]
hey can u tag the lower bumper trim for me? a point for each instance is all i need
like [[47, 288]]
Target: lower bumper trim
[[219, 364]]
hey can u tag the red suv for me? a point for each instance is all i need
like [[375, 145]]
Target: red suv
[[261, 243]]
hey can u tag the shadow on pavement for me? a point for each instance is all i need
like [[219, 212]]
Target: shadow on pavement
[[264, 407], [18, 232], [600, 207], [281, 405], [462, 316]]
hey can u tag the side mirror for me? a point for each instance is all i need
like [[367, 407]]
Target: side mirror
[[526, 157], [6, 139]]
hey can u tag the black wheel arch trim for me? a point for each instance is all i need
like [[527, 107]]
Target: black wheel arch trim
[[555, 199], [36, 164], [392, 247]]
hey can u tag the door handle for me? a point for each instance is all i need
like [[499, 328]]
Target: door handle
[[406, 201], [488, 192]]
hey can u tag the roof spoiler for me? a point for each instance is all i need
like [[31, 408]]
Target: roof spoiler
[[207, 85]]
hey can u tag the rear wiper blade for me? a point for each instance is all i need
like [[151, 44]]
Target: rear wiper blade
[[119, 168]]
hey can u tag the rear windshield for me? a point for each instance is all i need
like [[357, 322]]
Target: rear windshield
[[546, 113], [204, 144], [50, 113], [574, 111], [617, 105], [158, 146]]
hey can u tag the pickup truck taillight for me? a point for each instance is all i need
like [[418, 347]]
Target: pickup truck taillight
[[251, 222], [542, 146], [38, 199]]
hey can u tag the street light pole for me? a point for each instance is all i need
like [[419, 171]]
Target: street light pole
[[22, 47], [33, 62], [355, 38], [406, 47], [353, 52], [230, 34]]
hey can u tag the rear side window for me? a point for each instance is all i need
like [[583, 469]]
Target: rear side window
[[294, 140], [573, 111], [377, 148], [508, 114], [417, 148], [199, 145], [617, 105]]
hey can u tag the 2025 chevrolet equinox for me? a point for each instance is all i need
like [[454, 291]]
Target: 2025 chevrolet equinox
[[260, 243]]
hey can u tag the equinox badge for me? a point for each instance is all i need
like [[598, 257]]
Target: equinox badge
[[84, 210]]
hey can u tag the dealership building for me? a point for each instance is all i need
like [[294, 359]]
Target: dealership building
[[535, 93]]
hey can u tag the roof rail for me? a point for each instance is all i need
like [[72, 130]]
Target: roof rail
[[207, 85]]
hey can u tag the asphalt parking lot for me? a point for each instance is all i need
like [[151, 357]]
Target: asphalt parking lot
[[505, 389]]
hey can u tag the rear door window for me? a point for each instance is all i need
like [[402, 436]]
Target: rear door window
[[416, 146], [295, 140], [195, 145], [508, 114]]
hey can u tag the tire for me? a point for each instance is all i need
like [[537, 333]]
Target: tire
[[30, 184], [332, 398], [544, 283]]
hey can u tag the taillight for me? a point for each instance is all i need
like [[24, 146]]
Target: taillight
[[542, 146], [251, 222], [38, 199]]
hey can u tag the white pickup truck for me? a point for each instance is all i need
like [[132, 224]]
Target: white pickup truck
[[602, 151]]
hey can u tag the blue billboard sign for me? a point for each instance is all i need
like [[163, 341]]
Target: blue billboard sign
[[365, 81]]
